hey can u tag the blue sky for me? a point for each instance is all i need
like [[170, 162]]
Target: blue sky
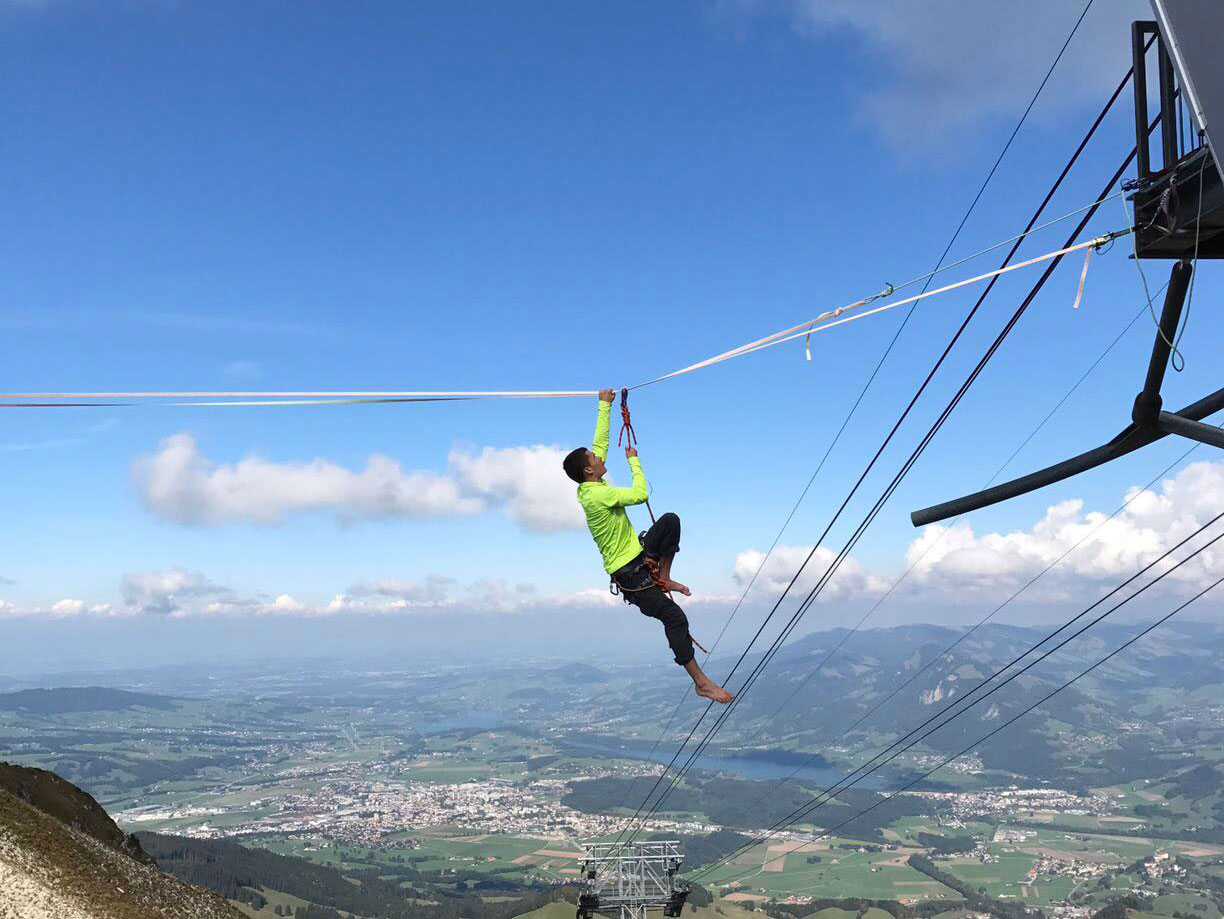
[[538, 195]]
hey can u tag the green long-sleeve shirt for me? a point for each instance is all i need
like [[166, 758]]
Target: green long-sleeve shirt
[[605, 504]]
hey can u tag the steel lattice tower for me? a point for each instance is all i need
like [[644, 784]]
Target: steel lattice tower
[[632, 879]]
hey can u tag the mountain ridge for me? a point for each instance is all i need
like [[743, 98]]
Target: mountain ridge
[[53, 869]]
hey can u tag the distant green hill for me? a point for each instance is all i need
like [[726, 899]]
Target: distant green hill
[[79, 699]]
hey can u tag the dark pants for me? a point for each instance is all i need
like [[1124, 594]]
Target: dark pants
[[637, 587]]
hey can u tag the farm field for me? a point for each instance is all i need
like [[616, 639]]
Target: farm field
[[547, 860], [767, 872]]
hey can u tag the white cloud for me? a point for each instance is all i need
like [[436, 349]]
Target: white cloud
[[950, 565], [485, 595], [61, 609], [528, 480], [940, 65], [235, 606], [179, 483], [851, 579], [956, 560], [957, 565], [167, 593], [179, 593], [286, 604]]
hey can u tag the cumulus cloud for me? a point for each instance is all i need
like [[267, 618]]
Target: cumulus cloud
[[235, 606], [939, 65], [179, 593], [60, 609], [167, 593], [179, 483], [954, 564], [851, 579], [484, 595], [527, 480], [956, 559]]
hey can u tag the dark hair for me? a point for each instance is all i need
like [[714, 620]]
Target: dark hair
[[575, 464]]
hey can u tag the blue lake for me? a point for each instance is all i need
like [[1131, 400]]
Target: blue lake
[[484, 721], [759, 764]]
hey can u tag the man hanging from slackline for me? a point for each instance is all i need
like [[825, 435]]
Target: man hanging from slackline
[[641, 568]]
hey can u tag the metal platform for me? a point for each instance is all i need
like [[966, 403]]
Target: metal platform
[[1179, 207]]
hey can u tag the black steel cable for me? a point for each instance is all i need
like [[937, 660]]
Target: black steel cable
[[1012, 720], [948, 713], [1033, 433], [990, 615], [879, 364], [1015, 247], [836, 563]]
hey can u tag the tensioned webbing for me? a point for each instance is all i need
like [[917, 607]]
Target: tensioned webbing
[[838, 318], [820, 323]]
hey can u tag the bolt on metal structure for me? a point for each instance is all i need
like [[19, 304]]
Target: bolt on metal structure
[[632, 879]]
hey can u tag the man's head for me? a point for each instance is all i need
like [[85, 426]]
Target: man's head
[[582, 465]]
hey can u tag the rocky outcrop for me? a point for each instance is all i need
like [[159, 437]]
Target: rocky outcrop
[[62, 857]]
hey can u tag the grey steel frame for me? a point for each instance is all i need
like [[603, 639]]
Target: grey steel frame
[[633, 878]]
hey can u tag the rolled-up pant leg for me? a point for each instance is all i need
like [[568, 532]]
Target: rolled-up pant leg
[[658, 605], [663, 537]]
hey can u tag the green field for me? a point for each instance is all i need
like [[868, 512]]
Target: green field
[[441, 852], [840, 873]]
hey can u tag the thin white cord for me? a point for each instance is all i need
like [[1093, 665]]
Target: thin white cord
[[1174, 355]]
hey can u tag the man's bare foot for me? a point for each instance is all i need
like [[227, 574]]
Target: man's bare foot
[[679, 588], [711, 690]]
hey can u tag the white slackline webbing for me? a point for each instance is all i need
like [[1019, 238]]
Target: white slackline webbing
[[825, 320]]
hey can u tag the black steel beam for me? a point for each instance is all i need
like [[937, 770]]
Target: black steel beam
[[1148, 403], [1208, 434], [1143, 161], [1168, 108], [1130, 439]]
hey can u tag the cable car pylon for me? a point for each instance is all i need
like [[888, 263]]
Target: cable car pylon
[[630, 879]]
